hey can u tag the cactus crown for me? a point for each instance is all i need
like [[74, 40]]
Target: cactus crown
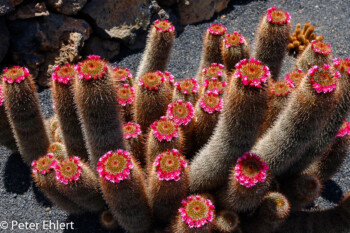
[[165, 129], [281, 88], [293, 78], [152, 80], [187, 86], [250, 170], [68, 170], [323, 79], [115, 166], [342, 65], [15, 74], [252, 72], [214, 85], [278, 204], [215, 70], [197, 211], [306, 185], [126, 94], [217, 29], [277, 16], [63, 74], [131, 130], [227, 221], [344, 130], [92, 68], [163, 25], [56, 149], [181, 112], [1, 96], [234, 39], [211, 102], [321, 47], [169, 165], [121, 74], [43, 164]]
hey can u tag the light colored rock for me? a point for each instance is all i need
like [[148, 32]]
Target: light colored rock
[[30, 10], [67, 7], [119, 19], [105, 48], [6, 6]]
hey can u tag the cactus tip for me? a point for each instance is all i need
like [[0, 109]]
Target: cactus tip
[[233, 40], [68, 171], [342, 65], [211, 102], [321, 47], [152, 80], [63, 74], [15, 74], [323, 79], [181, 112], [92, 68], [131, 130], [277, 16], [293, 78], [165, 129], [43, 164], [125, 94], [169, 165], [164, 25], [187, 86], [217, 29], [252, 72]]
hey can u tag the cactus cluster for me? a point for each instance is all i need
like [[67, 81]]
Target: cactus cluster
[[238, 148]]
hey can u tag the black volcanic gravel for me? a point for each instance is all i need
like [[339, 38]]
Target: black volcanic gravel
[[21, 201]]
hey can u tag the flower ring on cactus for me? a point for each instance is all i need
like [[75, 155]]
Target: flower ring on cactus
[[197, 211], [250, 170], [126, 94], [43, 164], [252, 72], [217, 29], [92, 68], [342, 65], [169, 165], [115, 166], [68, 170], [131, 130], [323, 79], [233, 40], [344, 130], [293, 78], [1, 96], [63, 74], [211, 102], [215, 70], [321, 47], [15, 74], [276, 16], [169, 77], [163, 25], [181, 112], [281, 88], [187, 86], [281, 207], [165, 129], [214, 85], [152, 80], [121, 74]]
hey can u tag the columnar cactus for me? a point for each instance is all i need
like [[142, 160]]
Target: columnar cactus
[[126, 97], [24, 114], [62, 94], [95, 96]]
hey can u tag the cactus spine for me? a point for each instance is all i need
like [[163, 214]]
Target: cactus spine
[[134, 141]]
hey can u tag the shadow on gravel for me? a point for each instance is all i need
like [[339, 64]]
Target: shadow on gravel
[[332, 192], [17, 175], [87, 223], [40, 197]]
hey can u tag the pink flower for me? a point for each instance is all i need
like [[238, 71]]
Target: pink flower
[[122, 74], [250, 170], [323, 80], [92, 68], [165, 129], [152, 80], [277, 16], [233, 40], [187, 86], [163, 25], [43, 164], [181, 112], [214, 71], [342, 65], [126, 94], [217, 29], [252, 72], [63, 74], [320, 47], [211, 102], [344, 130], [131, 130], [169, 165], [15, 74], [214, 85], [169, 77], [280, 88], [196, 211], [1, 96], [68, 171], [115, 166], [293, 78]]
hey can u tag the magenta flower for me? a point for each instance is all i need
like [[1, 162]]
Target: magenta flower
[[276, 16], [63, 74], [344, 130], [250, 170], [15, 74], [1, 96], [217, 29], [67, 171], [131, 130], [169, 77], [163, 25], [43, 164], [121, 74], [342, 65], [92, 68], [126, 94], [115, 166], [293, 78], [165, 129], [152, 80], [211, 102], [280, 88], [215, 70], [320, 47], [252, 72], [323, 79], [233, 40], [196, 211], [214, 85], [187, 86], [169, 165], [181, 112]]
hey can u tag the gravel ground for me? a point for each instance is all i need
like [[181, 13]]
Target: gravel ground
[[22, 202]]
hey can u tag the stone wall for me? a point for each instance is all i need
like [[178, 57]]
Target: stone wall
[[42, 34]]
